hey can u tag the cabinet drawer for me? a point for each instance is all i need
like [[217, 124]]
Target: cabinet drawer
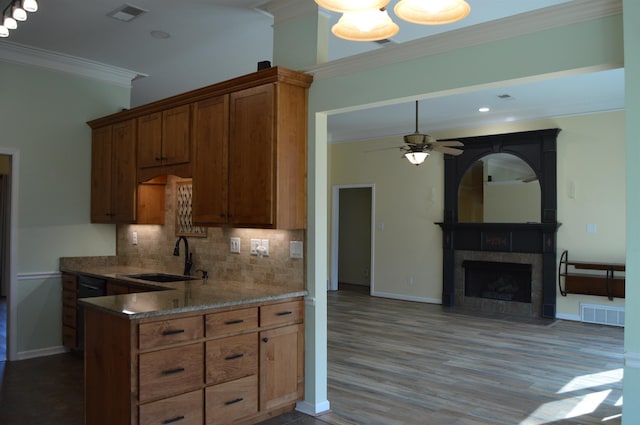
[[172, 371], [226, 403], [69, 298], [69, 337], [231, 358], [230, 322], [282, 314], [167, 332], [185, 409], [69, 282], [69, 316]]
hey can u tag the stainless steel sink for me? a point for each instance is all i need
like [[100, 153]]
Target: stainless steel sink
[[161, 277]]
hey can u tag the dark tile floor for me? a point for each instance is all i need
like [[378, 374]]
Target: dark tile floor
[[48, 391]]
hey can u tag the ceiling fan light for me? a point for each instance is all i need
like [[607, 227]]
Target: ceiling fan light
[[30, 5], [432, 12], [367, 25], [351, 5], [18, 13], [416, 158]]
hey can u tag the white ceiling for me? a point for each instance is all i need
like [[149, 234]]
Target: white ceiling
[[214, 40]]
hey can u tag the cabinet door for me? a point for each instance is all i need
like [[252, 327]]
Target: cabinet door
[[176, 142], [252, 156], [149, 141], [101, 175], [123, 173], [281, 366], [210, 161]]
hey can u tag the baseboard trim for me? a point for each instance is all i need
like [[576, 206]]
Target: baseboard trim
[[572, 317], [406, 297], [41, 352], [313, 409]]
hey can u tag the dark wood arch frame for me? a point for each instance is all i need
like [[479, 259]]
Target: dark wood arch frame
[[536, 148]]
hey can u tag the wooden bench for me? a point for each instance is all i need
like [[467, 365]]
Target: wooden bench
[[590, 278]]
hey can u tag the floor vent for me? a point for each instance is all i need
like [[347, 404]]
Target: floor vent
[[602, 315]]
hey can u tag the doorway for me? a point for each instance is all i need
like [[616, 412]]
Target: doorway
[[8, 237], [352, 241]]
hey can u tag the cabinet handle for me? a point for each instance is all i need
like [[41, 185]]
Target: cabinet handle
[[234, 356], [237, 400], [284, 313], [172, 332], [172, 371], [158, 158], [233, 322], [265, 339], [172, 420]]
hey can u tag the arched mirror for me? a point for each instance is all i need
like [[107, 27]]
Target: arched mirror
[[499, 188]]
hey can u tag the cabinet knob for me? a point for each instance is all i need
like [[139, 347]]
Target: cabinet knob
[[265, 339]]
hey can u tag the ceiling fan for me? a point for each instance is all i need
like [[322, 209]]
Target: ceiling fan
[[418, 146]]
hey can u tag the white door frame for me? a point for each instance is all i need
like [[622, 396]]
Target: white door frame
[[12, 251], [335, 233]]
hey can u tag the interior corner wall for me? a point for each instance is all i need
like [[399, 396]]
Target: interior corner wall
[[43, 115]]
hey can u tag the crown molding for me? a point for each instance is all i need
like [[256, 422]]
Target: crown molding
[[573, 12], [22, 54]]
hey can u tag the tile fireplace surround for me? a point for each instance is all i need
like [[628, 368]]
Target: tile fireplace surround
[[486, 305]]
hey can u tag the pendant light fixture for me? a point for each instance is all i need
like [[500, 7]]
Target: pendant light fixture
[[365, 25], [432, 12], [368, 20], [416, 158], [16, 11]]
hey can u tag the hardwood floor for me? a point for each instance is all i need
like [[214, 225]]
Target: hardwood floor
[[396, 362]]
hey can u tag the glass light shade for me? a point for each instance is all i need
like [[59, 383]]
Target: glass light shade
[[18, 13], [9, 23], [416, 158], [432, 12], [4, 31], [352, 5], [368, 25], [30, 5]]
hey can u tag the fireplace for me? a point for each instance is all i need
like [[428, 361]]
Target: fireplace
[[531, 243], [509, 282]]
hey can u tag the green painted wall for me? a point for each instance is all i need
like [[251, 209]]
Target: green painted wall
[[43, 115]]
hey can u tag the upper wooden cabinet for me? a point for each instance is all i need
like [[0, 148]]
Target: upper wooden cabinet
[[164, 140], [113, 173], [243, 141], [251, 158]]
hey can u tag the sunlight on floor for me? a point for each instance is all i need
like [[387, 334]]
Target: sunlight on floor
[[583, 403]]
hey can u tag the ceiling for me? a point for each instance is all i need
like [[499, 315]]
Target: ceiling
[[215, 40]]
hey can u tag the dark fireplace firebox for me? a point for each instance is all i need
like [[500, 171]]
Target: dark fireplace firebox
[[497, 281]]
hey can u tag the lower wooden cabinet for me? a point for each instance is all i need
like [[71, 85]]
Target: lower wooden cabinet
[[69, 311], [216, 367]]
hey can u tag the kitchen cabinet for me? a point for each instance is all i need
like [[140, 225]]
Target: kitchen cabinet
[[113, 173], [69, 311], [251, 154], [163, 140], [226, 365]]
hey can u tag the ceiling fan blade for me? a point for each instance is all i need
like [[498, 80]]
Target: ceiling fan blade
[[449, 143], [447, 150], [529, 179]]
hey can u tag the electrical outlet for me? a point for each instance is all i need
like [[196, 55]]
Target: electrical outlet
[[235, 245], [295, 249], [134, 238], [255, 243], [265, 247], [259, 247]]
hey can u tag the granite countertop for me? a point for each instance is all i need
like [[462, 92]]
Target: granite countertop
[[178, 297]]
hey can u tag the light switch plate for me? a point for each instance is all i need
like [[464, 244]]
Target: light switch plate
[[234, 245], [295, 249]]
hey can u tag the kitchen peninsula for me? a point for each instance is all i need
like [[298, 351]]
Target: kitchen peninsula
[[193, 351]]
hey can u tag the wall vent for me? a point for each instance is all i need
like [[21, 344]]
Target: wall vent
[[601, 314]]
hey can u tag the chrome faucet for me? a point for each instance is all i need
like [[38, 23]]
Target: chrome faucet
[[188, 257]]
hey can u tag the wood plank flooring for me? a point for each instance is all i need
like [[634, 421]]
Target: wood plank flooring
[[396, 362]]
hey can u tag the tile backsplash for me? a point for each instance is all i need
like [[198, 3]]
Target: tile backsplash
[[155, 244]]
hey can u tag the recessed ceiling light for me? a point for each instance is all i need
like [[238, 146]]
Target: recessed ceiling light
[[159, 34], [484, 109]]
